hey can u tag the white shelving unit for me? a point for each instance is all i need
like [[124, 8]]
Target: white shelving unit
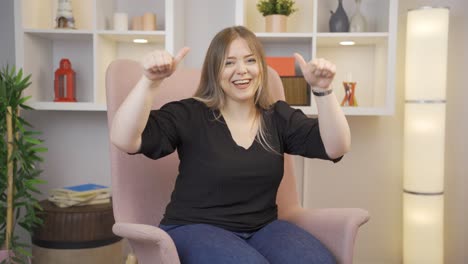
[[91, 47], [94, 45], [370, 62]]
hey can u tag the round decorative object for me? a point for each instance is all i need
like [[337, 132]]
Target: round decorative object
[[69, 232], [75, 227]]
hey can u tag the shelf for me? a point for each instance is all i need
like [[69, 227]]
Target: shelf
[[129, 36], [350, 111], [60, 34], [78, 106], [360, 39]]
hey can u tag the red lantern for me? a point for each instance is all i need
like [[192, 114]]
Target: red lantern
[[64, 84]]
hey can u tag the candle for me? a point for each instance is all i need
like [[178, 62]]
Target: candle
[[149, 21], [349, 77], [120, 21]]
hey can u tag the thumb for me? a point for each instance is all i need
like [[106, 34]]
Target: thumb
[[300, 60], [181, 55]]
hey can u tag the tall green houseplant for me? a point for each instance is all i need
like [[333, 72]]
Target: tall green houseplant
[[20, 151]]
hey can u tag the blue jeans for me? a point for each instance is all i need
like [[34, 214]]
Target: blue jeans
[[278, 242]]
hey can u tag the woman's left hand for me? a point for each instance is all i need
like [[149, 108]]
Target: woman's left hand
[[318, 73]]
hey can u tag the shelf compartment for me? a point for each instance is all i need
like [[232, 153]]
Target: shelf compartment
[[111, 46], [285, 45], [40, 14], [300, 21], [43, 51], [106, 8], [364, 63], [376, 12]]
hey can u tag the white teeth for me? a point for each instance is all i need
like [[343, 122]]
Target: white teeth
[[241, 82]]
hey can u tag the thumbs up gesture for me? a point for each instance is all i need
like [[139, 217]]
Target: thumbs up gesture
[[160, 64], [318, 73]]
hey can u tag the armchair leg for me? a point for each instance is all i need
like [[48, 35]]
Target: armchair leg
[[131, 259]]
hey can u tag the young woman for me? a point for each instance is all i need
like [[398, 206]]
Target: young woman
[[231, 137]]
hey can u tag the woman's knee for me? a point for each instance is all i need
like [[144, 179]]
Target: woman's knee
[[283, 242]]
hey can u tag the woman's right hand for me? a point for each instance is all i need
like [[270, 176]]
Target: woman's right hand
[[159, 64]]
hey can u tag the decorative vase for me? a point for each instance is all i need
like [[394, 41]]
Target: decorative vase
[[339, 20], [358, 21], [275, 23], [350, 97]]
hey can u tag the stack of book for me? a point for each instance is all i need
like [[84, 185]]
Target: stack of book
[[79, 195]]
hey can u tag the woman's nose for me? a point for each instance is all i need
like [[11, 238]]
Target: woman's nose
[[241, 69]]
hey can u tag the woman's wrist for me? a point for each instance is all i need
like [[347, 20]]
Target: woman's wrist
[[147, 82], [321, 92]]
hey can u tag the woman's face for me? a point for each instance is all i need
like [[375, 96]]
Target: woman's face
[[240, 73]]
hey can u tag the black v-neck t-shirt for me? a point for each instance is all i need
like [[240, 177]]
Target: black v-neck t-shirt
[[220, 182]]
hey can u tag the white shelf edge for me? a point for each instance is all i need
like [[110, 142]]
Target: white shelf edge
[[353, 34], [131, 32], [284, 35], [350, 111], [66, 106], [57, 31], [128, 36]]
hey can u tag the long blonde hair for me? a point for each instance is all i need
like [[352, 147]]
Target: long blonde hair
[[210, 91]]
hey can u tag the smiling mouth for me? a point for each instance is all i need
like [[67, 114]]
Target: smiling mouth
[[242, 84]]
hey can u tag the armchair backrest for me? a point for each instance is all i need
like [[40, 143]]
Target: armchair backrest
[[141, 187]]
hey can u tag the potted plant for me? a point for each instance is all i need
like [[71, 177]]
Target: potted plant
[[276, 13], [19, 175]]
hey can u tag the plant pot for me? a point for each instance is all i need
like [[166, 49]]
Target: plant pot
[[275, 23]]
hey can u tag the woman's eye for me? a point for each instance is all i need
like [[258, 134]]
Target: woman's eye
[[251, 60], [227, 63]]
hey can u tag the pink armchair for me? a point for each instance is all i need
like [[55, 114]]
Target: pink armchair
[[141, 187]]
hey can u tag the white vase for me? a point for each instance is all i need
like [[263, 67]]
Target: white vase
[[358, 21]]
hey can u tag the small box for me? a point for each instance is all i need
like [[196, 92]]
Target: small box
[[284, 66], [296, 90]]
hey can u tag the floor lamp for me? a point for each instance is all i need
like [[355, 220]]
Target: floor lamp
[[424, 135]]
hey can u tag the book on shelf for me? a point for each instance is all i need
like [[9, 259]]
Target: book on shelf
[[79, 195]]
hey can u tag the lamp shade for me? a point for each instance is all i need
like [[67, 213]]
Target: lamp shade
[[426, 54], [424, 135], [423, 229], [424, 145]]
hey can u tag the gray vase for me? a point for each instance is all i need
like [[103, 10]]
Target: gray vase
[[339, 20]]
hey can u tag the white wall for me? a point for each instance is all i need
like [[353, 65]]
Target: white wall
[[7, 33], [368, 177]]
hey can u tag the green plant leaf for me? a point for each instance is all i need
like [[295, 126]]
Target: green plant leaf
[[32, 140]]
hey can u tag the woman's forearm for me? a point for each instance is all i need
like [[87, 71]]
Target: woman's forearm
[[334, 128], [131, 117]]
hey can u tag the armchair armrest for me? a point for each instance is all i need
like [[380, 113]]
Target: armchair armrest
[[149, 243], [335, 227]]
